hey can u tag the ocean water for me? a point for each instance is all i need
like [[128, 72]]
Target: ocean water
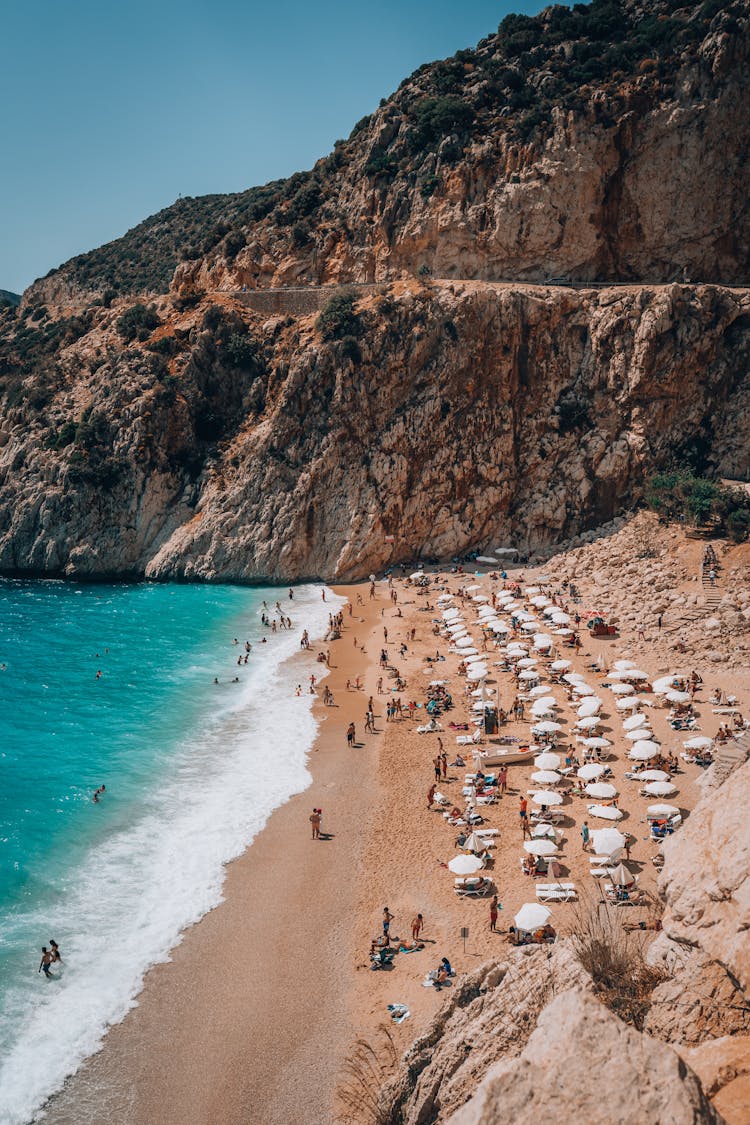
[[192, 771]]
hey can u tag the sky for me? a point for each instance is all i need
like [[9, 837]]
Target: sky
[[111, 109]]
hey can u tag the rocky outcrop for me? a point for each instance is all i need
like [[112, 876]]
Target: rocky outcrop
[[582, 1063], [459, 416]]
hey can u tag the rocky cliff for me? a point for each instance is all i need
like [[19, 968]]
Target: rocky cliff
[[604, 142], [195, 438], [216, 445]]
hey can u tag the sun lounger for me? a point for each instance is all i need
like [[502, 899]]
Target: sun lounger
[[469, 739], [556, 892], [471, 886], [430, 729], [606, 860]]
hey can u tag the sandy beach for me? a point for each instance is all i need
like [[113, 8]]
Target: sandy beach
[[252, 1019]]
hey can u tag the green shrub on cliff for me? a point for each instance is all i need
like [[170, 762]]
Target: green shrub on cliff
[[338, 318], [680, 495], [138, 322]]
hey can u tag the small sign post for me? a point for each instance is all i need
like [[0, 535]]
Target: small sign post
[[464, 935]]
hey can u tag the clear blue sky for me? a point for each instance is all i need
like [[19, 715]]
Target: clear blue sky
[[110, 109]]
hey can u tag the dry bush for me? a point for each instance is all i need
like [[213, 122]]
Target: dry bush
[[366, 1069], [616, 961]]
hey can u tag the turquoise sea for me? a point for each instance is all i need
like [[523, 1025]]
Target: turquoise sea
[[191, 769]]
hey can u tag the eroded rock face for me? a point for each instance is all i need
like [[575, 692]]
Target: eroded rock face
[[706, 878], [463, 416], [583, 1064]]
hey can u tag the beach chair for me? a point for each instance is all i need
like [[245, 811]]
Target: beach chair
[[471, 886], [469, 739], [556, 892]]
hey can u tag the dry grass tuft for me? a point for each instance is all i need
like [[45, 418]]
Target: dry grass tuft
[[366, 1069], [616, 962]]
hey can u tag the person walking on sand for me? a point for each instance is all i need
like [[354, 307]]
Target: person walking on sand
[[368, 722], [585, 835], [385, 634], [502, 780], [387, 919], [315, 822], [523, 814], [436, 764], [417, 925], [45, 962], [350, 734], [493, 915], [431, 795], [444, 764]]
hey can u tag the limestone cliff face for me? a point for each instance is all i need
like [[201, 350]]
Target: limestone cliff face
[[462, 416]]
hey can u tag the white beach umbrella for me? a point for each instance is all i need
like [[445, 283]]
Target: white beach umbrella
[[539, 600], [437, 683], [547, 761], [597, 743], [529, 626], [526, 662], [652, 775], [635, 721], [621, 877], [663, 684], [605, 812], [678, 696], [623, 664], [573, 677], [547, 727], [560, 618], [539, 831], [639, 734], [529, 590], [660, 789], [661, 810], [641, 754], [700, 742], [532, 916], [476, 673], [540, 847], [465, 864], [542, 640], [607, 840], [417, 574], [591, 771], [528, 676], [560, 665], [480, 598], [602, 790], [546, 797], [488, 559], [637, 675], [588, 723], [472, 588], [589, 707], [630, 703], [623, 689], [618, 675], [475, 843], [474, 658], [546, 777], [463, 642], [563, 630], [647, 744], [583, 689], [470, 653]]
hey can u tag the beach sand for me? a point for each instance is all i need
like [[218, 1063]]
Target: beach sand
[[254, 1016]]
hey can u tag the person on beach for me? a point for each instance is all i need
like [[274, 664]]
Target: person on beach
[[291, 595], [444, 764], [45, 962], [585, 836], [493, 914], [55, 950], [380, 685], [502, 780], [436, 764], [431, 795], [417, 926], [387, 919], [368, 722], [350, 734], [315, 822]]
